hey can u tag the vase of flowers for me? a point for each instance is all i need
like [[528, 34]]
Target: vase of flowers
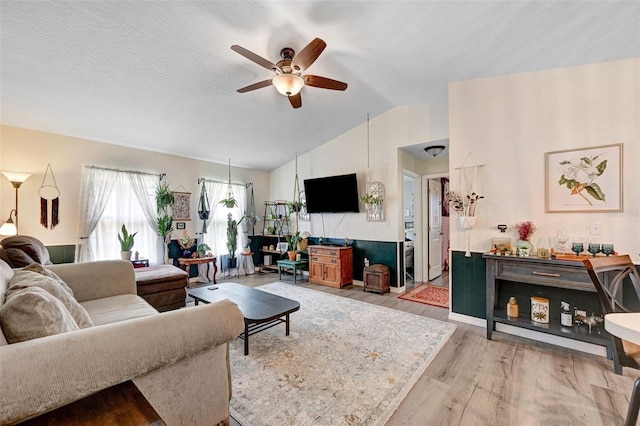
[[525, 231]]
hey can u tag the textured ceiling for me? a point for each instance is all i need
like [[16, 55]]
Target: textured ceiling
[[160, 75]]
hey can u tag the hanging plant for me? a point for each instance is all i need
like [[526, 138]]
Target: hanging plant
[[370, 199], [229, 202], [164, 200], [295, 206]]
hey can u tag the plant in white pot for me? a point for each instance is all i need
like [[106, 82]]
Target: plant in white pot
[[126, 243]]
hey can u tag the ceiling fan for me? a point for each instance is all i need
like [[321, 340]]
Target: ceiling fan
[[289, 79]]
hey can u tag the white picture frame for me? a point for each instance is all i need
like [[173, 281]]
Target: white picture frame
[[585, 180]]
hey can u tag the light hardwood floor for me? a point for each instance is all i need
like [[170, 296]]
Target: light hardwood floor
[[505, 381]]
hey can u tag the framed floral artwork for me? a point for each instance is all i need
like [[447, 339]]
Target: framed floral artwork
[[584, 180], [182, 206]]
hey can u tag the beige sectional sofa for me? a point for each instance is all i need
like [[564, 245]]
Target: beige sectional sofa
[[179, 359]]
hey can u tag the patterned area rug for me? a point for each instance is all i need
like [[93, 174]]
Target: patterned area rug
[[345, 362], [428, 294]]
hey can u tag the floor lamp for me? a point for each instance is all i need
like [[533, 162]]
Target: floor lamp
[[16, 179]]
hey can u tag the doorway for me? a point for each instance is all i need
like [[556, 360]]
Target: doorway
[[412, 225], [436, 219]]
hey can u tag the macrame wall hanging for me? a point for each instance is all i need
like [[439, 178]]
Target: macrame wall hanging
[[49, 194]]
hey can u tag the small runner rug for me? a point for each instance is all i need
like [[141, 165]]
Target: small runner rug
[[345, 362], [428, 294]]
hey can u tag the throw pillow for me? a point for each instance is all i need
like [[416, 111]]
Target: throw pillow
[[26, 278], [36, 267], [33, 247], [16, 258], [31, 313]]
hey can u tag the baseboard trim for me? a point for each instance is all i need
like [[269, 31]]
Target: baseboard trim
[[467, 319], [577, 345]]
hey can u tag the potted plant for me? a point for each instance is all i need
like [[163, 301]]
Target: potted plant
[[292, 240], [203, 249], [186, 242], [295, 206], [126, 243], [232, 240], [164, 200]]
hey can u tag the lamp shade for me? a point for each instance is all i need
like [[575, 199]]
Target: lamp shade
[[434, 150], [288, 84], [16, 176], [9, 228]]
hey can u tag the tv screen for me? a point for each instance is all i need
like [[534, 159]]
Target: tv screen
[[333, 194]]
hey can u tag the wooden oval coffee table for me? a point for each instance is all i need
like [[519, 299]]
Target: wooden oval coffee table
[[261, 310]]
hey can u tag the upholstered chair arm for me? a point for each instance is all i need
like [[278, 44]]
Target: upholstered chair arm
[[95, 280], [43, 374]]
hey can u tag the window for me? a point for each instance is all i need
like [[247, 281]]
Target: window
[[216, 236], [111, 198]]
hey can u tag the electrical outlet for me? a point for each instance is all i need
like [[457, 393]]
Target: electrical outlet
[[595, 228]]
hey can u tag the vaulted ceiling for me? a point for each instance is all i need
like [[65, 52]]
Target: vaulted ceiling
[[160, 75]]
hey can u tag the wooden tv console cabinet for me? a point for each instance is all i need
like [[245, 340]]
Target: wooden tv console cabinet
[[556, 280], [332, 266]]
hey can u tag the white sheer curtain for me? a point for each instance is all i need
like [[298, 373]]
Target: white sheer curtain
[[95, 190], [125, 198], [216, 236], [144, 188]]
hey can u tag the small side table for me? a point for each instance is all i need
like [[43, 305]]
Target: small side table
[[292, 264], [627, 327], [185, 262]]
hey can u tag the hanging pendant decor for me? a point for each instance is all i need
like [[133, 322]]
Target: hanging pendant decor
[[48, 192], [296, 205], [251, 215], [373, 197], [465, 200], [203, 206]]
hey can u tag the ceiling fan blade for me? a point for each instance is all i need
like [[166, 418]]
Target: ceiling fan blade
[[255, 58], [296, 100], [324, 82], [308, 55], [255, 86]]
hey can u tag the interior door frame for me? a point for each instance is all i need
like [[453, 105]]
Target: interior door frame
[[418, 249], [425, 218]]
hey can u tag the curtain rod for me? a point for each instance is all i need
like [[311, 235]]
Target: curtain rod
[[246, 185], [123, 170]]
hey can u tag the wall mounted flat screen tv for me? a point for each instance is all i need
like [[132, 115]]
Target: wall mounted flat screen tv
[[333, 194]]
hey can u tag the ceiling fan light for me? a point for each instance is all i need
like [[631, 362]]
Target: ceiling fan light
[[434, 150], [288, 84]]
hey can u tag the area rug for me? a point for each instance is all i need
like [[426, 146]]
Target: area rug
[[345, 362], [428, 294]]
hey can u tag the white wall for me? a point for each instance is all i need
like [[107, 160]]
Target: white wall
[[398, 127], [30, 151], [509, 122]]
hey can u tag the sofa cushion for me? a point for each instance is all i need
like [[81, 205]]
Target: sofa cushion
[[45, 280], [117, 308], [32, 312]]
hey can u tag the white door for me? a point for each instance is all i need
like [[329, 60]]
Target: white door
[[434, 189]]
